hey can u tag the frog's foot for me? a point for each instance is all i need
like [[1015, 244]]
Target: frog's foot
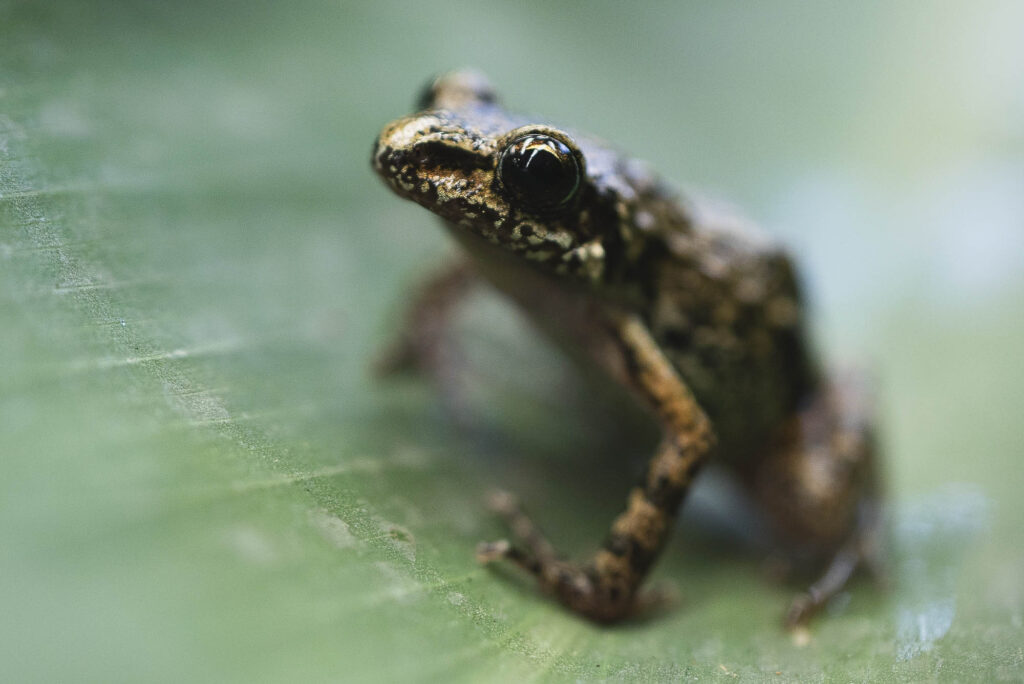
[[819, 485], [863, 551], [604, 589], [585, 589], [603, 594]]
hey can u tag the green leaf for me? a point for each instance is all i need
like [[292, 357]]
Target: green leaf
[[199, 479]]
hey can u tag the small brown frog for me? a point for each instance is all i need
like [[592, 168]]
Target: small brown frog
[[701, 322]]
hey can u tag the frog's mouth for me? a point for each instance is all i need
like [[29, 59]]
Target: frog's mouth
[[445, 169]]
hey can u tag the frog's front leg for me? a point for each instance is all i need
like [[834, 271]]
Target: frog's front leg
[[423, 343], [605, 587]]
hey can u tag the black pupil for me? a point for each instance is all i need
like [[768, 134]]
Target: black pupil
[[540, 170]]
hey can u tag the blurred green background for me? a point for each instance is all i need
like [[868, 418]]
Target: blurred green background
[[200, 481]]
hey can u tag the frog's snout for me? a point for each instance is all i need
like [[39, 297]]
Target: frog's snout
[[392, 148], [391, 159], [416, 154], [386, 159]]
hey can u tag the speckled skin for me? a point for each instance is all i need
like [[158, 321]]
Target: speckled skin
[[701, 319]]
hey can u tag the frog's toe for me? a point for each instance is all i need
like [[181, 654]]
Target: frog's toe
[[523, 529], [488, 552], [801, 609]]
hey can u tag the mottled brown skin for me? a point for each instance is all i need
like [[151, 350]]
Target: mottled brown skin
[[699, 319]]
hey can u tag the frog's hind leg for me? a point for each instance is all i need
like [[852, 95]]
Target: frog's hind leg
[[862, 549], [819, 486]]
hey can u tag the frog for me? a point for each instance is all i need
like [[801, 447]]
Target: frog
[[688, 309]]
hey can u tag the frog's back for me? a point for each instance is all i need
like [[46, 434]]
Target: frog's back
[[727, 310]]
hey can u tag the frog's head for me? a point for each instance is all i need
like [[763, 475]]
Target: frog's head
[[517, 185]]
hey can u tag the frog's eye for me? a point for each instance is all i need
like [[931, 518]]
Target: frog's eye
[[540, 171]]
